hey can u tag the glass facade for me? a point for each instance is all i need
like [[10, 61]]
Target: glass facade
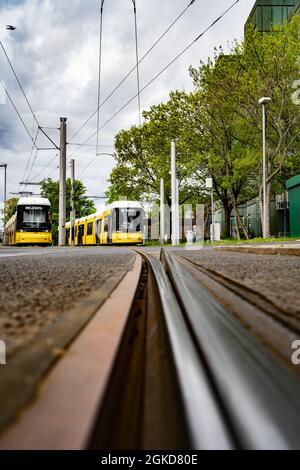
[[266, 13]]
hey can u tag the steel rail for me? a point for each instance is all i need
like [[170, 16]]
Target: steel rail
[[205, 420], [260, 395]]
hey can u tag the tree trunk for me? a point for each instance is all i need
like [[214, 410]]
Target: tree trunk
[[227, 210], [236, 220]]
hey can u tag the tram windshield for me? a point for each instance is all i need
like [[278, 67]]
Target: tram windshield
[[34, 218], [127, 220]]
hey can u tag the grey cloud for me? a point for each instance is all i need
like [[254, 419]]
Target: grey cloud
[[55, 53]]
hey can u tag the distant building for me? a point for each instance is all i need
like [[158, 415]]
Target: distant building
[[296, 9], [266, 13]]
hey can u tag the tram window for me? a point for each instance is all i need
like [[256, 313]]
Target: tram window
[[98, 227], [33, 217], [128, 220], [105, 225], [90, 229], [33, 214]]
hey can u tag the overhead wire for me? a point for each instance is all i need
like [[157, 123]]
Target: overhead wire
[[99, 72], [30, 155], [137, 61], [158, 75], [46, 166], [135, 66], [18, 113], [32, 165], [19, 83]]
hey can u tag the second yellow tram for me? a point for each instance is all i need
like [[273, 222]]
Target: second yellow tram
[[120, 223]]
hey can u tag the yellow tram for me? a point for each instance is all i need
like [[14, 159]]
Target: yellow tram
[[31, 223], [120, 223]]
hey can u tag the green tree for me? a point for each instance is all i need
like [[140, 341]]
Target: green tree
[[83, 206], [11, 207], [218, 127], [270, 67], [143, 157], [226, 149]]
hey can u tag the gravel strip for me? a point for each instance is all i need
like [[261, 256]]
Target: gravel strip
[[35, 291], [276, 277]]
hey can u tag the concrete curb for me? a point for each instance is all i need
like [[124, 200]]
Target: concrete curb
[[262, 250], [63, 413]]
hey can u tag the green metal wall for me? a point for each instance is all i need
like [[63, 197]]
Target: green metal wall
[[296, 10], [293, 187], [250, 212], [270, 12]]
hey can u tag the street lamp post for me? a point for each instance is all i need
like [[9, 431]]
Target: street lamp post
[[209, 185], [4, 165], [263, 102]]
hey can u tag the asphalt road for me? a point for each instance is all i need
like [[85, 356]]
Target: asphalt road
[[39, 285], [277, 278]]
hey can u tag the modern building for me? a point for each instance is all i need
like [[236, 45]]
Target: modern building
[[293, 187], [296, 9], [250, 214], [266, 13]]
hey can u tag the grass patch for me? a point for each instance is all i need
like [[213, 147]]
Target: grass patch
[[233, 241], [230, 241]]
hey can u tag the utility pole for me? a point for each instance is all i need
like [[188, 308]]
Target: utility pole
[[263, 102], [62, 183], [212, 215], [209, 185], [4, 165], [162, 211], [73, 215], [174, 192], [177, 212]]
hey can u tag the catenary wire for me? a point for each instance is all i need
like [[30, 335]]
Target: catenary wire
[[99, 72], [19, 115], [137, 61], [30, 155], [133, 69], [158, 75], [46, 166], [19, 83]]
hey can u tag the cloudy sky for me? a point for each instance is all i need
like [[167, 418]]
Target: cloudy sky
[[55, 53]]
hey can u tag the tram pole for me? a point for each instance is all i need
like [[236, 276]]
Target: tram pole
[[173, 191], [177, 213], [62, 183], [73, 215], [4, 165], [162, 211]]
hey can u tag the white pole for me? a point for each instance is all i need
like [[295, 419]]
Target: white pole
[[4, 206], [212, 215], [264, 172], [162, 211], [72, 225], [177, 213], [62, 184], [173, 191]]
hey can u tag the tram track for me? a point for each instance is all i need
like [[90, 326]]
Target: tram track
[[258, 393], [170, 369]]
